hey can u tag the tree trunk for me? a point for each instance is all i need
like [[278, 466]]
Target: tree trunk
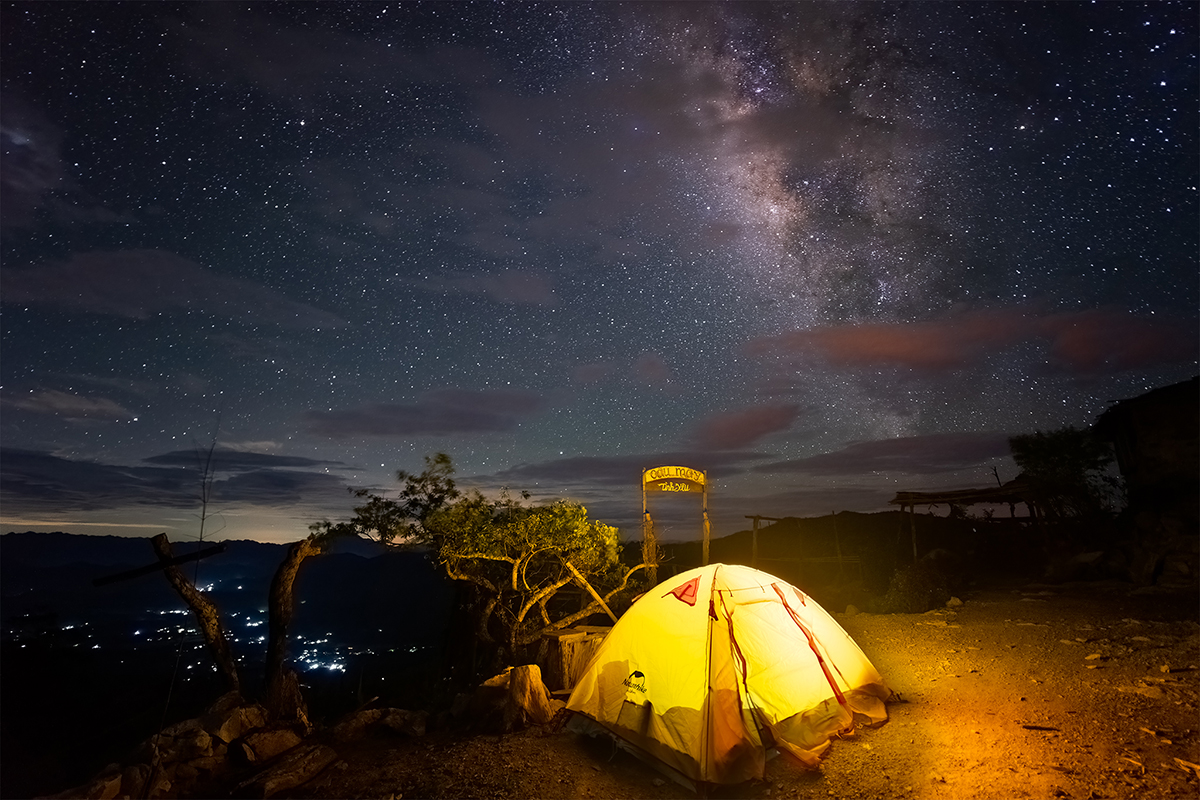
[[283, 698], [206, 613]]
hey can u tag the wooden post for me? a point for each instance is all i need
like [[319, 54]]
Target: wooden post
[[650, 549], [912, 527], [649, 541], [583, 582]]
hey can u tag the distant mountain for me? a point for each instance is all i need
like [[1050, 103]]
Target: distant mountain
[[362, 593]]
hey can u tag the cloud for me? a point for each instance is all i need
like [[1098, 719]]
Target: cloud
[[37, 480], [743, 428], [1100, 341], [1080, 342], [652, 370], [233, 460], [69, 406], [438, 413], [623, 470], [933, 346], [31, 165], [270, 487], [140, 283], [913, 455], [33, 481]]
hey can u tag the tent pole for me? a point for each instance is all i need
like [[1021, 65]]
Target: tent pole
[[707, 531]]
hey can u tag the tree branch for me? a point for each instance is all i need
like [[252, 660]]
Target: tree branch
[[207, 614], [592, 608]]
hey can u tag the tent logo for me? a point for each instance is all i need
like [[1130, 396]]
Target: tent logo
[[636, 681], [686, 592]]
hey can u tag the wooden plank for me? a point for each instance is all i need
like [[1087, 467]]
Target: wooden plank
[[161, 565]]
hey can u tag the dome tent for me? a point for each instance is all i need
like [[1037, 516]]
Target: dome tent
[[710, 670]]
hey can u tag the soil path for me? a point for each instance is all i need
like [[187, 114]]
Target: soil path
[[1073, 691]]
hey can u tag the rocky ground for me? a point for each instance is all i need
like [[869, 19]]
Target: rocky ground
[[1079, 690], [1086, 690]]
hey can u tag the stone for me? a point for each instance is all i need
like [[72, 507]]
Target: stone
[[460, 705], [233, 723], [226, 703], [852, 610], [354, 726], [296, 768], [211, 765], [182, 728], [133, 780], [196, 743], [954, 602], [186, 772], [104, 787], [268, 744], [161, 787], [406, 723]]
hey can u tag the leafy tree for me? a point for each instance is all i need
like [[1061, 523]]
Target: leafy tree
[[1068, 471], [515, 557]]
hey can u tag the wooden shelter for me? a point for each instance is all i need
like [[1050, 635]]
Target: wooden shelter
[[1010, 493]]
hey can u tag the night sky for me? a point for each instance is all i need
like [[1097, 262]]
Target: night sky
[[824, 251]]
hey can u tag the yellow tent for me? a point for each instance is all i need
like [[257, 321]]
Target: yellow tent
[[714, 667]]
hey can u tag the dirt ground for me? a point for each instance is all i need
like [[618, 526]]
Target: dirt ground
[[1086, 690]]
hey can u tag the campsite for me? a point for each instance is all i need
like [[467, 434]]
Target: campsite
[[1076, 690], [1081, 689]]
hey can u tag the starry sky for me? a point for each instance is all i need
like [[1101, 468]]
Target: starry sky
[[825, 252]]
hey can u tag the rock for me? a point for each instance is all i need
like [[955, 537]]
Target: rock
[[133, 780], [186, 772], [232, 723], [211, 765], [195, 743], [161, 787], [226, 703], [294, 769], [953, 602], [460, 705], [104, 787], [407, 723], [268, 744], [182, 728], [852, 610], [513, 699], [354, 726]]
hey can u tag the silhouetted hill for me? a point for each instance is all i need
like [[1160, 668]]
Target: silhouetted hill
[[360, 600]]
